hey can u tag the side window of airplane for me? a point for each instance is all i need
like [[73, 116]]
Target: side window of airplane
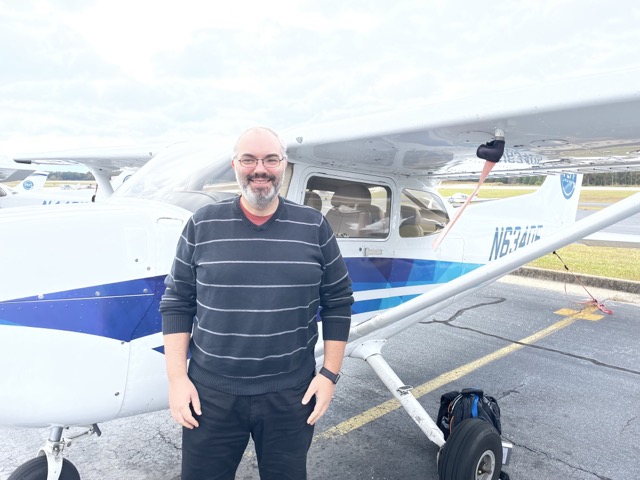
[[353, 209], [421, 213]]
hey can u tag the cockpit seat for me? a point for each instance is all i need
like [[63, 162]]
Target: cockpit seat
[[312, 199], [410, 223], [346, 216]]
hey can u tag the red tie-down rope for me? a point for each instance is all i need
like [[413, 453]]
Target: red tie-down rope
[[593, 301]]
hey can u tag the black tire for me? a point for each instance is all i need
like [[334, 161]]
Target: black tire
[[36, 469], [472, 452]]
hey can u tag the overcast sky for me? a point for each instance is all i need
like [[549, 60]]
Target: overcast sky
[[91, 73]]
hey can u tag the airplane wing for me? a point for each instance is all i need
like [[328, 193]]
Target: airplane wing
[[103, 163], [553, 128]]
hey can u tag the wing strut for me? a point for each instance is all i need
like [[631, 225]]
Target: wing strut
[[397, 319], [491, 152]]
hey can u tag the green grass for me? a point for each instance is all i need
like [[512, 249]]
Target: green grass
[[587, 195], [599, 261], [486, 192]]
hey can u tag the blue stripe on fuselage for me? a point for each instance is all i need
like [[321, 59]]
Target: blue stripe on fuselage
[[129, 310], [122, 311], [377, 273]]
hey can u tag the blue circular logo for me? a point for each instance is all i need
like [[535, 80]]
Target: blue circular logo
[[27, 184], [568, 183]]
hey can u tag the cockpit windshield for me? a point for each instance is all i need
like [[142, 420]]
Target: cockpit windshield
[[186, 174]]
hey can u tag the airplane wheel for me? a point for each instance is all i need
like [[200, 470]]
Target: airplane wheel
[[36, 469], [472, 452]]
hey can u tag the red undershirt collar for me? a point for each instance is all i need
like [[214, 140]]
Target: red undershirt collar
[[255, 219]]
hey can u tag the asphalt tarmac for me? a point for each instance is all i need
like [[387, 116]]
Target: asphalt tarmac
[[567, 379], [628, 226]]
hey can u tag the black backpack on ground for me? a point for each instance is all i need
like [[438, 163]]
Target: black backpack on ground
[[468, 403]]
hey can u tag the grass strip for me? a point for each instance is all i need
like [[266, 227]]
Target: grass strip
[[622, 263]]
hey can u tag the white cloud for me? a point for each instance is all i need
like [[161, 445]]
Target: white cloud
[[110, 72]]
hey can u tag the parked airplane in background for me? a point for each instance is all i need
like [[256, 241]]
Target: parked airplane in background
[[459, 198], [11, 171], [31, 192], [30, 186], [110, 167], [104, 163], [98, 329], [33, 183]]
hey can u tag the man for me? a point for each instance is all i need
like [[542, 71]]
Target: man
[[250, 277]]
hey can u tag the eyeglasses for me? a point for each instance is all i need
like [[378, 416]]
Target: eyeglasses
[[270, 161]]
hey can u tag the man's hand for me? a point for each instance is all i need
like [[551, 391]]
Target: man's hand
[[323, 389], [182, 392]]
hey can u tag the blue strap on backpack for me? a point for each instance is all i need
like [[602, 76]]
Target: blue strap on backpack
[[468, 403]]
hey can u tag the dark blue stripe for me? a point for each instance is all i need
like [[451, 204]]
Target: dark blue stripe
[[122, 311], [129, 310]]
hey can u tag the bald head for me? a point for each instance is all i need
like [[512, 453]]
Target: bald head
[[256, 136]]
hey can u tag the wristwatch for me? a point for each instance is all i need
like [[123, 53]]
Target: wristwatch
[[334, 377]]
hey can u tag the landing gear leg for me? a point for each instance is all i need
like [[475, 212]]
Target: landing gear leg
[[370, 353], [473, 451], [49, 464]]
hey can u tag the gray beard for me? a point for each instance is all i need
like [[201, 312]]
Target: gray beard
[[259, 200]]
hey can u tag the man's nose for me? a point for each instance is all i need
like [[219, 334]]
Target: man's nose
[[260, 167]]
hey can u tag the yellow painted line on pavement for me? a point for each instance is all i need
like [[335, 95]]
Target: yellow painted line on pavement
[[391, 405]]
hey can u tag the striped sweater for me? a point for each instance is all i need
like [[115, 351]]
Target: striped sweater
[[251, 296]]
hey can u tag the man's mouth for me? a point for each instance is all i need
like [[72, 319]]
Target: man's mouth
[[260, 180]]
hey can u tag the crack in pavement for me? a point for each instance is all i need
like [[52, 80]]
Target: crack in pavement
[[559, 460], [629, 422], [509, 392], [169, 440], [529, 345], [466, 309]]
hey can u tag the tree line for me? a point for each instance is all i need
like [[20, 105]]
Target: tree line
[[590, 179], [627, 179], [70, 176]]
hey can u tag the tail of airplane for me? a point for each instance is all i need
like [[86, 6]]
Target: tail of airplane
[[503, 226], [557, 199], [33, 182]]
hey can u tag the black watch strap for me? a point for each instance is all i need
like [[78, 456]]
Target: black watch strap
[[334, 377]]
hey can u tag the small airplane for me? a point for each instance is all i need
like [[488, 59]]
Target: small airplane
[[104, 163], [460, 198], [11, 171], [82, 316], [32, 183], [110, 167], [31, 191]]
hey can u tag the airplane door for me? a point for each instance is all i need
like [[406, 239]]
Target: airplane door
[[147, 385]]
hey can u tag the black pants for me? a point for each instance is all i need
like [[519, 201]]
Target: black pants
[[277, 422]]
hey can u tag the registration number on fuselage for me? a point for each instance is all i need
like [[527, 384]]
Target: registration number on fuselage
[[509, 239]]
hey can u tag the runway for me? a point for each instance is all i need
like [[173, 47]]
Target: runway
[[566, 377]]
